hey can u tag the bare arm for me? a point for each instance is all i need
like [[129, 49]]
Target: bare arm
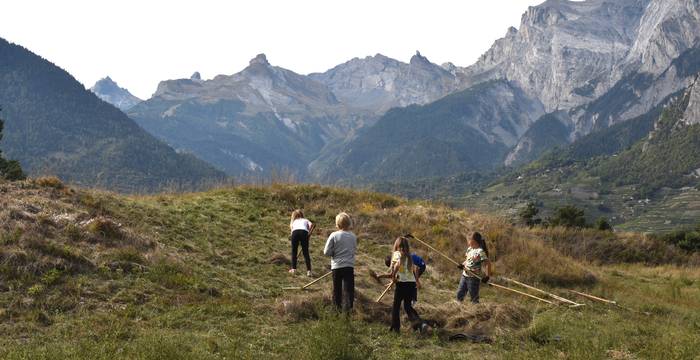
[[415, 275]]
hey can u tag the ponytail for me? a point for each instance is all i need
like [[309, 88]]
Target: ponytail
[[481, 241]]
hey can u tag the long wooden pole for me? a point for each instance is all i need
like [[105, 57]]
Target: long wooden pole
[[317, 280], [595, 298], [521, 293], [479, 277], [554, 296], [379, 299], [309, 284]]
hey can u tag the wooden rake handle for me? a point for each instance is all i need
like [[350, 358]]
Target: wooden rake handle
[[479, 277], [595, 298], [554, 296], [379, 299], [317, 280]]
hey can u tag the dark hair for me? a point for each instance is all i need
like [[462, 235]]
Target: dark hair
[[476, 236], [387, 260]]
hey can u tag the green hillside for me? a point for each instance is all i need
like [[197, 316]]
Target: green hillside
[[460, 132], [93, 275], [54, 126], [639, 174]]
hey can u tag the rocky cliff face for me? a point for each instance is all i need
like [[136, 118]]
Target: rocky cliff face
[[565, 52], [108, 90], [667, 29], [609, 61], [692, 112], [378, 83]]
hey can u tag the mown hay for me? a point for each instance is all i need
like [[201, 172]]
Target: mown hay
[[481, 319], [279, 259]]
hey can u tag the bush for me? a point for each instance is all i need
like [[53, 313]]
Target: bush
[[9, 169], [602, 224], [569, 216], [686, 239], [528, 213]]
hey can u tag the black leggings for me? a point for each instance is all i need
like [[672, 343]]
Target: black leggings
[[404, 292], [301, 237], [344, 288]]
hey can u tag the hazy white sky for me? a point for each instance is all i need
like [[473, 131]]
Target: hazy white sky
[[141, 42]]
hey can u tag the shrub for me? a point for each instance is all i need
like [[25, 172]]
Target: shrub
[[528, 213], [602, 224], [569, 216], [686, 239], [9, 169]]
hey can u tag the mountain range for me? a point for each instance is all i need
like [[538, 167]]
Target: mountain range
[[572, 73], [571, 68]]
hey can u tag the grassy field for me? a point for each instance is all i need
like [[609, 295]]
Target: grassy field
[[91, 275]]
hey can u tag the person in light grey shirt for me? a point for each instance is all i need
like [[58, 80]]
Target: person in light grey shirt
[[341, 247]]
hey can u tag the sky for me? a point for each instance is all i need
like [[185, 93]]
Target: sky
[[138, 43]]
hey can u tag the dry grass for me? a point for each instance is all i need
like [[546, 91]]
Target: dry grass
[[603, 247], [200, 275]]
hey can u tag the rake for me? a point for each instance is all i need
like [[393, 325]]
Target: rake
[[553, 296], [379, 299], [479, 277], [309, 284]]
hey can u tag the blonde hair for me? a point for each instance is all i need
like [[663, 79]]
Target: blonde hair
[[401, 245], [296, 214], [343, 221]]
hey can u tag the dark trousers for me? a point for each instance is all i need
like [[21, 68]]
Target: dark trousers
[[301, 237], [404, 292], [344, 288], [469, 285]]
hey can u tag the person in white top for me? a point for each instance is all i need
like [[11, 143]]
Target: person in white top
[[301, 229], [404, 274]]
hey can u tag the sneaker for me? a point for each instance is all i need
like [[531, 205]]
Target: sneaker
[[309, 274], [292, 271], [423, 328]]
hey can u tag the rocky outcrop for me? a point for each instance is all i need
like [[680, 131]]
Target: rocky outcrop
[[667, 29], [692, 112], [598, 62], [378, 83], [108, 90]]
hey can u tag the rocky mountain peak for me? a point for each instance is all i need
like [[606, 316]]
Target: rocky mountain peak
[[546, 14], [419, 59], [260, 59], [196, 76], [109, 91], [106, 83]]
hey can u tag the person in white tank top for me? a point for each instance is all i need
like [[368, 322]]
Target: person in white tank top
[[301, 229]]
